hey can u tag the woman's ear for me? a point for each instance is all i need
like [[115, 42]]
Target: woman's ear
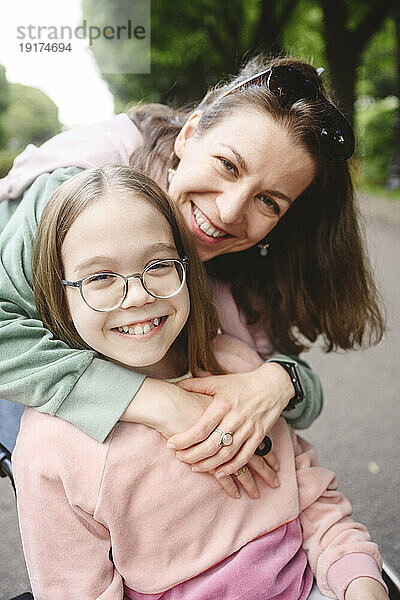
[[187, 131]]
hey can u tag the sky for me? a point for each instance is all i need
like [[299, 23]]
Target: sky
[[71, 79]]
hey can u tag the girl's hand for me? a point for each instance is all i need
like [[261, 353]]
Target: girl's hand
[[247, 404], [170, 409], [365, 588]]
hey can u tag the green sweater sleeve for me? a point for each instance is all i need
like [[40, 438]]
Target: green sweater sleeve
[[36, 369], [306, 411]]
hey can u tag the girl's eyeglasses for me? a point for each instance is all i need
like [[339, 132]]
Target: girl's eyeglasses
[[290, 85], [106, 291]]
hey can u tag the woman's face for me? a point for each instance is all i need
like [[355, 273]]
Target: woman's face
[[123, 235], [235, 182]]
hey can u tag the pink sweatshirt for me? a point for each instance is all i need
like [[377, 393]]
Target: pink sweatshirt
[[175, 534]]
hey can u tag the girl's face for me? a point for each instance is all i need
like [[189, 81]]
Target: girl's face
[[123, 235], [236, 181]]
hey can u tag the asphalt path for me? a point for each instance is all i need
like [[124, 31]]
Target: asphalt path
[[357, 432]]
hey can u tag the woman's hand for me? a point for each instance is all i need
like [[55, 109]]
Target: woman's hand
[[170, 409], [365, 588], [247, 404]]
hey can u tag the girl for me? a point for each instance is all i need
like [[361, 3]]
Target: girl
[[116, 272], [262, 161]]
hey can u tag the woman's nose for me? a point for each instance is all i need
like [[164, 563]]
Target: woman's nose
[[232, 207], [137, 295]]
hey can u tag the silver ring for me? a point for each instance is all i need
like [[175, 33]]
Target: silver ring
[[226, 438]]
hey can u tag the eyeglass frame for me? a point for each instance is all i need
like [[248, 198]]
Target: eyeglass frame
[[318, 96], [183, 261]]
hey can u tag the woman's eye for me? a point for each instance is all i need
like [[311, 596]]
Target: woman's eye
[[228, 165], [270, 204]]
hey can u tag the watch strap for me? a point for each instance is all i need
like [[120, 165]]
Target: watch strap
[[291, 368]]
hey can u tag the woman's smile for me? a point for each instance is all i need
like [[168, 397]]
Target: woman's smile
[[204, 229]]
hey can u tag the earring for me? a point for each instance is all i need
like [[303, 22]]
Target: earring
[[263, 249], [171, 173]]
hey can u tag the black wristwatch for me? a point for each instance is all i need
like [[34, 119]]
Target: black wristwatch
[[291, 368]]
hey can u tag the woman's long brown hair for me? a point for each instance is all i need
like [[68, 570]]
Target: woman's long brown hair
[[69, 201], [316, 279]]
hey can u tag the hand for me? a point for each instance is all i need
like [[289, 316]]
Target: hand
[[365, 588], [170, 409], [249, 404]]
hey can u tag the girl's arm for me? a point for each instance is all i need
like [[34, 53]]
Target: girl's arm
[[66, 549], [339, 550]]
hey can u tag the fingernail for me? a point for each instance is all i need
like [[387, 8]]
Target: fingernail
[[220, 474], [179, 458], [195, 469], [276, 482], [237, 495], [276, 467], [256, 495], [171, 445]]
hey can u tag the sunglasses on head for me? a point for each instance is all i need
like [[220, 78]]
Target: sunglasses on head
[[290, 85]]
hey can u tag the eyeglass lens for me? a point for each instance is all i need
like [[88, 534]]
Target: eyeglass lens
[[104, 291]]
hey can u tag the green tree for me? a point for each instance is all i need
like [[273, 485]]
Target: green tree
[[193, 44], [31, 117], [348, 25]]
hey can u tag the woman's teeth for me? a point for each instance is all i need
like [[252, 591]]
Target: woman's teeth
[[139, 329], [205, 226]]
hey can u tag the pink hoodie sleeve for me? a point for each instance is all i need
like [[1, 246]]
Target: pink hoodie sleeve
[[338, 549], [66, 548], [110, 142]]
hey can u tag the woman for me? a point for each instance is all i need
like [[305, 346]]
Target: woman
[[252, 149]]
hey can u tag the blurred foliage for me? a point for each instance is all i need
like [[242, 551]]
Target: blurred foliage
[[377, 70], [4, 102], [6, 160], [31, 117], [375, 120], [194, 44]]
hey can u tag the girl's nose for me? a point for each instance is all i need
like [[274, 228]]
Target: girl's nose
[[232, 207], [137, 295]]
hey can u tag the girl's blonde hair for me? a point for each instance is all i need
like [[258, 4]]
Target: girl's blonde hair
[[70, 200]]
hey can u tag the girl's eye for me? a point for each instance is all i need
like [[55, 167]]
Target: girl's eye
[[270, 204], [101, 278], [227, 165], [159, 266]]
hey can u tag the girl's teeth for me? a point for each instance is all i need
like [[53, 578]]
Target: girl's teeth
[[138, 329]]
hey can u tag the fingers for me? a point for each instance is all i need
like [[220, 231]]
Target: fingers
[[229, 459], [200, 430], [246, 480], [271, 460], [202, 385], [259, 465], [228, 484], [210, 455]]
